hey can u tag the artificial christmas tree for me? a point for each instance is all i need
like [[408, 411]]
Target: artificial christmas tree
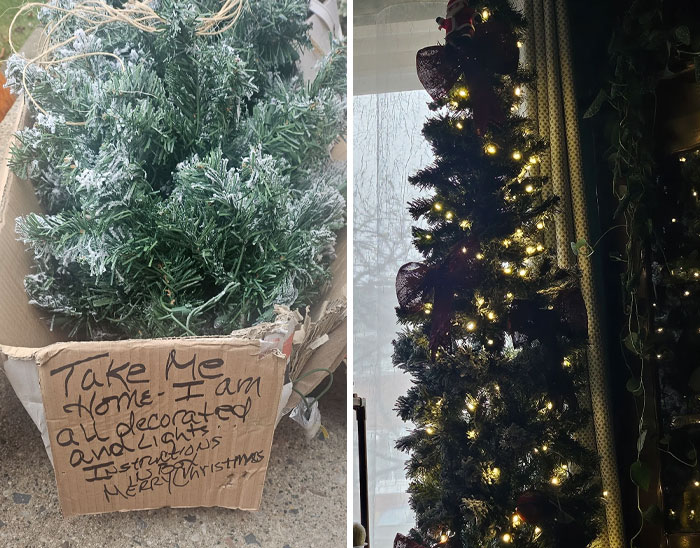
[[496, 332], [183, 164]]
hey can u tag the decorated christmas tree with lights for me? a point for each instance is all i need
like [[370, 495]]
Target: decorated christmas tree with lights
[[495, 331]]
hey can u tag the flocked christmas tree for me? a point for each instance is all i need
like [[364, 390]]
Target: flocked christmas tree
[[495, 336], [183, 164]]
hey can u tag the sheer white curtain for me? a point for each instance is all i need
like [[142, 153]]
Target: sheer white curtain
[[389, 109]]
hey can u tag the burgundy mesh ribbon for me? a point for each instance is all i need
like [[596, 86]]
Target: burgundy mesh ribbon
[[492, 50], [404, 542]]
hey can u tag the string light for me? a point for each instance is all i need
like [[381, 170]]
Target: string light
[[518, 91], [459, 125], [545, 448], [437, 206], [472, 434], [519, 44], [471, 406], [566, 363], [540, 225], [462, 92], [464, 224], [606, 493], [529, 188], [550, 405], [554, 480], [540, 247], [516, 520], [517, 155], [471, 326], [509, 295], [480, 301], [491, 148], [522, 272], [682, 159], [534, 160], [444, 538], [428, 237], [537, 531], [485, 14], [506, 242], [519, 232], [479, 256], [490, 342], [430, 430], [695, 192], [464, 250], [449, 215], [491, 316], [507, 538], [530, 250], [507, 269], [686, 293], [673, 220], [696, 483], [660, 330]]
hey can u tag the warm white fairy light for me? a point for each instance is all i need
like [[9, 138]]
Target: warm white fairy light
[[471, 326], [464, 224], [515, 520], [522, 272], [507, 269], [437, 206], [519, 44], [491, 148], [444, 538], [462, 92], [464, 250], [479, 256], [554, 480], [485, 14], [517, 155], [428, 237], [540, 225], [682, 159], [430, 430], [491, 315], [449, 215], [459, 125], [529, 188], [472, 434], [531, 250], [490, 342], [506, 538], [518, 91]]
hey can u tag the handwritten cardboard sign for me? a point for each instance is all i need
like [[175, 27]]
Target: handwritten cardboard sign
[[145, 424]]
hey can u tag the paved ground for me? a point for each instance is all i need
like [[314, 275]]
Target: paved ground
[[304, 501]]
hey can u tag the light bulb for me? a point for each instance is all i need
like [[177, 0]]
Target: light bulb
[[491, 148], [462, 92], [506, 242], [519, 44], [490, 342], [537, 530], [686, 293], [507, 538], [673, 220], [522, 272], [449, 215], [430, 430], [606, 493], [485, 14], [471, 406], [517, 155], [428, 237], [509, 295], [459, 125], [696, 483], [479, 256], [550, 405], [437, 206], [529, 188], [544, 448], [696, 275], [471, 434], [471, 326], [540, 247], [519, 232], [491, 316], [554, 481], [682, 159], [480, 301], [695, 192], [530, 250], [507, 269], [464, 250], [444, 538], [660, 330], [516, 520], [518, 91], [540, 225], [566, 363], [464, 224]]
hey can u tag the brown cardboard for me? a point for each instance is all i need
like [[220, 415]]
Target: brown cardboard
[[152, 423], [28, 363], [20, 323]]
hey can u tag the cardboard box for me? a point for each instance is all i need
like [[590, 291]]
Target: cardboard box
[[141, 424]]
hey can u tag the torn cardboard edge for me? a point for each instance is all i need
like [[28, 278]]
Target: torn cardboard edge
[[22, 364]]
